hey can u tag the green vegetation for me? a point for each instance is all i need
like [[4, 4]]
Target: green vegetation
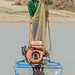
[[12, 12]]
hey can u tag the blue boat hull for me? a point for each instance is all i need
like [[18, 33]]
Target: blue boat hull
[[52, 68]]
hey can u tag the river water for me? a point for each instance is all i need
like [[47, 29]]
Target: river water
[[15, 35]]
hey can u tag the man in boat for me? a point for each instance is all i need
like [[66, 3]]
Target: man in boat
[[32, 7]]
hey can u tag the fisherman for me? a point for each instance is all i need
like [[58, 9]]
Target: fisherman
[[32, 7]]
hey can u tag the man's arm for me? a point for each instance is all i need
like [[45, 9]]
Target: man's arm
[[30, 12]]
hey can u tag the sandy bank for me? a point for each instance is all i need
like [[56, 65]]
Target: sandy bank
[[19, 14]]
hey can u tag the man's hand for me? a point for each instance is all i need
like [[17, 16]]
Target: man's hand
[[31, 22]]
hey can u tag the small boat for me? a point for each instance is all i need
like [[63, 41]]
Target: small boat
[[37, 57]]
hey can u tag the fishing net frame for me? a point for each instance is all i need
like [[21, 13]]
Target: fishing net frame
[[43, 18]]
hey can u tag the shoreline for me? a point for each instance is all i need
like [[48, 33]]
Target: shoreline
[[19, 14]]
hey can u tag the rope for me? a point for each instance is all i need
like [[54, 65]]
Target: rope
[[50, 51], [49, 31]]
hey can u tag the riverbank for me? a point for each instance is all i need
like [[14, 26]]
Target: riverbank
[[10, 13]]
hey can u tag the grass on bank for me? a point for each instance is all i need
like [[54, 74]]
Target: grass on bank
[[23, 12], [12, 12]]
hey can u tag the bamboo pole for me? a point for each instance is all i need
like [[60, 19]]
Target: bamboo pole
[[30, 37]]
